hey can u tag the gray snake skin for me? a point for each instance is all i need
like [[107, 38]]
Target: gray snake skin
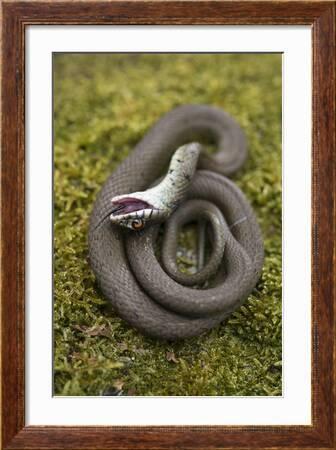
[[148, 294]]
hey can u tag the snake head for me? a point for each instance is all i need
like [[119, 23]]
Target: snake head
[[155, 204], [135, 210]]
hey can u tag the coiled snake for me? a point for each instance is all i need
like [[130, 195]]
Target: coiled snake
[[155, 297]]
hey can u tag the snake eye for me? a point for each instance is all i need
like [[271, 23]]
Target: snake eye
[[138, 224]]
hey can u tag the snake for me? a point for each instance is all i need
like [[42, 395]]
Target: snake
[[169, 181]]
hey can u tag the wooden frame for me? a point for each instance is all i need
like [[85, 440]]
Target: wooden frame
[[16, 17]]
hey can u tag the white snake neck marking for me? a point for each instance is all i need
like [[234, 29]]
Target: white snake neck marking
[[156, 204]]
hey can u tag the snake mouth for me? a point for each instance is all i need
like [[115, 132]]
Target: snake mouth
[[128, 205]]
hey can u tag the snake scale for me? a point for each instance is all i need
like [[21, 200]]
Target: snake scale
[[151, 294]]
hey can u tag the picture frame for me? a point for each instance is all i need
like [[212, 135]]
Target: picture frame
[[16, 17]]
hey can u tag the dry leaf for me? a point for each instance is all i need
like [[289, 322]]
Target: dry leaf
[[118, 384], [131, 391], [171, 357], [96, 330]]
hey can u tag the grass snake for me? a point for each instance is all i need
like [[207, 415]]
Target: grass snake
[[150, 293]]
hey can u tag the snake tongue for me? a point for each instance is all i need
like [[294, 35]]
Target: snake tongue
[[129, 204]]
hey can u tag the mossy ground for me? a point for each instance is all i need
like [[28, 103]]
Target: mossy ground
[[103, 105]]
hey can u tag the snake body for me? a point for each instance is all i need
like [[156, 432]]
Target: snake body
[[154, 296]]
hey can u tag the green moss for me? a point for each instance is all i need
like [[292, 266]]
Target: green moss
[[103, 105]]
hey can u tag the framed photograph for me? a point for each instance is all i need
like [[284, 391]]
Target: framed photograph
[[167, 224]]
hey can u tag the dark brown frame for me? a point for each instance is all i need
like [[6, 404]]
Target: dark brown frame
[[15, 17]]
